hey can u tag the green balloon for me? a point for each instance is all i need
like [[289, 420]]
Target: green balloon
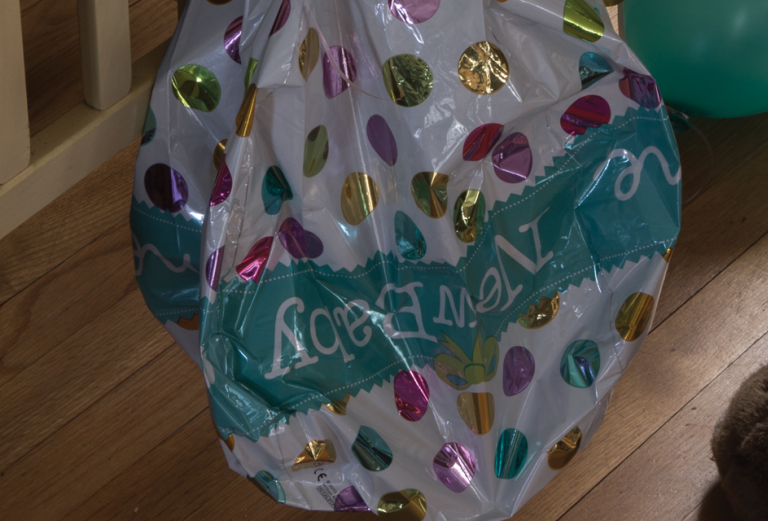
[[709, 57]]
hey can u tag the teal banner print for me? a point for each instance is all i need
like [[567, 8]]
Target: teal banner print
[[166, 254], [305, 335]]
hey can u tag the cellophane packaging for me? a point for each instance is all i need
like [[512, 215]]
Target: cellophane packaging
[[412, 244]]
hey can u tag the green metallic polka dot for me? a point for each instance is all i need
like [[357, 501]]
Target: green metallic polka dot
[[408, 79], [580, 21], [249, 72], [315, 151], [196, 87]]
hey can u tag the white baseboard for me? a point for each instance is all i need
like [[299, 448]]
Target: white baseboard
[[75, 145]]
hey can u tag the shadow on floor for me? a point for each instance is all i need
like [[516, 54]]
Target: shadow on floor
[[715, 506]]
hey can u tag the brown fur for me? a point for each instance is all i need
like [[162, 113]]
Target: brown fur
[[740, 447]]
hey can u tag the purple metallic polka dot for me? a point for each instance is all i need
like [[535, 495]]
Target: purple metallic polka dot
[[411, 395], [512, 158], [586, 112], [213, 268], [519, 367], [382, 140], [640, 88], [232, 38], [333, 83], [254, 264], [166, 188], [282, 17], [223, 186], [349, 500], [299, 242], [455, 467], [481, 140], [413, 11]]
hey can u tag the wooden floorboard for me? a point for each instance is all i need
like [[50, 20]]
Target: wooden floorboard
[[66, 381], [190, 455], [65, 300], [103, 417], [730, 216], [52, 51], [671, 474], [70, 223], [107, 438]]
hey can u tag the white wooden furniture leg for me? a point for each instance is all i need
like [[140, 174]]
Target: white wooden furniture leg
[[75, 144], [14, 118], [105, 51], [620, 18]]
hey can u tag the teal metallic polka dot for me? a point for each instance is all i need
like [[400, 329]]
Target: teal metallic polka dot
[[267, 483], [274, 190], [371, 450], [580, 363], [511, 453], [410, 242], [150, 127]]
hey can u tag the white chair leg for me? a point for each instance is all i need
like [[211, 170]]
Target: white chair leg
[[105, 50], [14, 118]]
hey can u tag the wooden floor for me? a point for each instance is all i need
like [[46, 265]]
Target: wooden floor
[[52, 50], [102, 416]]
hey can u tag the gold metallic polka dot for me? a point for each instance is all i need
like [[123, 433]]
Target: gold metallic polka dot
[[245, 115], [339, 406], [483, 68], [316, 454], [191, 324], [477, 410], [668, 255], [564, 450], [634, 315], [540, 315], [309, 52], [404, 505], [218, 153], [469, 215], [359, 197], [430, 191], [229, 441]]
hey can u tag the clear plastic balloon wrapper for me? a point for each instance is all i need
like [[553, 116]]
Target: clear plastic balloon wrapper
[[412, 245]]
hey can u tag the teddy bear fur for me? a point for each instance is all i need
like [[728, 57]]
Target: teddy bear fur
[[740, 448]]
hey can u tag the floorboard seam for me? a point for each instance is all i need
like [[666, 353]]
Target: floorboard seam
[[96, 317], [121, 382], [725, 267], [52, 268], [703, 389], [693, 509], [171, 435], [70, 336]]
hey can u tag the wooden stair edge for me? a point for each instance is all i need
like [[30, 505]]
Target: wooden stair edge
[[75, 145]]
